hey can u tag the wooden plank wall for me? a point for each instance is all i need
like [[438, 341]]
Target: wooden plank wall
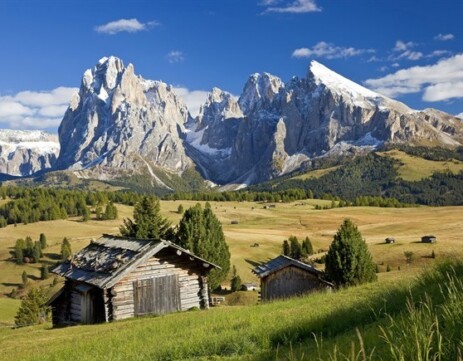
[[189, 282], [287, 282]]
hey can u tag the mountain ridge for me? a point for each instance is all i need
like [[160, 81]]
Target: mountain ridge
[[120, 124]]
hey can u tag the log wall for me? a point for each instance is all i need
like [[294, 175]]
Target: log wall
[[287, 282], [189, 281]]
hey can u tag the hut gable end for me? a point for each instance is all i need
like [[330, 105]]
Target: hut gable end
[[118, 277]]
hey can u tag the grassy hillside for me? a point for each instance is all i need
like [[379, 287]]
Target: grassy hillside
[[282, 330], [267, 227], [413, 168]]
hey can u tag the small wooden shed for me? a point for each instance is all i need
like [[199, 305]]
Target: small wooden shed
[[390, 240], [283, 277], [119, 277], [428, 239]]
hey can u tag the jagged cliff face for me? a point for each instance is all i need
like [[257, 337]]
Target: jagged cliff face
[[281, 126], [23, 153], [120, 123]]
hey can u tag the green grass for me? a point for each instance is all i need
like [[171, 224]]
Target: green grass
[[281, 330], [8, 309]]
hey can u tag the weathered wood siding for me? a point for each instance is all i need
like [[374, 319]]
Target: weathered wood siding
[[287, 282], [187, 278]]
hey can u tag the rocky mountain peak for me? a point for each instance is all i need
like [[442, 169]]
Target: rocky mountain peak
[[219, 105], [259, 91], [121, 122]]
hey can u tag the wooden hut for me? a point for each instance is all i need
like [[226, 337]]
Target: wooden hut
[[119, 277], [283, 277], [390, 240], [428, 239]]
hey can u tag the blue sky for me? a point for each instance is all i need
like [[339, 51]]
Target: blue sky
[[409, 50]]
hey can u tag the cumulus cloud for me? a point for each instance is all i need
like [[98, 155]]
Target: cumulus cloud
[[127, 25], [32, 109], [444, 37], [193, 99], [175, 56], [329, 51], [292, 7], [440, 81]]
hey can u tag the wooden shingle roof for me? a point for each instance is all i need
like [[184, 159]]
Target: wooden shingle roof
[[105, 261], [280, 262]]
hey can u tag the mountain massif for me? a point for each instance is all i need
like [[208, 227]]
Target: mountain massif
[[120, 124], [23, 152]]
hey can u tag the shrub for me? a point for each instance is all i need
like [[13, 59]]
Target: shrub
[[33, 309]]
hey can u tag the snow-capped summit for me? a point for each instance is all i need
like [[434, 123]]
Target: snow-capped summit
[[24, 152]]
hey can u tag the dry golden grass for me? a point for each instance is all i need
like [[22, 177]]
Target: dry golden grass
[[317, 173], [415, 168], [268, 228]]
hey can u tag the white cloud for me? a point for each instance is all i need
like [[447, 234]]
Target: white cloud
[[459, 115], [31, 109], [328, 51], [404, 48], [438, 53], [440, 81], [193, 99], [293, 7], [175, 56], [444, 37], [402, 45], [127, 25]]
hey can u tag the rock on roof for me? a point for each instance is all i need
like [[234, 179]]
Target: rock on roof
[[104, 261]]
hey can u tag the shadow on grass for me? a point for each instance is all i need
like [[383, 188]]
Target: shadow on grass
[[10, 284], [53, 256], [387, 303], [253, 263]]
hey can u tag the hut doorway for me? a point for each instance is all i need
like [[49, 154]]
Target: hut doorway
[[91, 304], [157, 295]]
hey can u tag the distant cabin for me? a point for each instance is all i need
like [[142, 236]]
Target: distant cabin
[[249, 287], [390, 240], [283, 277], [114, 278], [428, 239]]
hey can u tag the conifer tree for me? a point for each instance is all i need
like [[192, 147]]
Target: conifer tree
[[66, 251], [24, 279], [306, 247], [180, 209], [44, 274], [235, 284], [286, 249], [29, 249], [19, 251], [43, 241], [148, 222], [37, 252], [200, 231], [348, 261], [295, 247], [110, 212], [33, 309]]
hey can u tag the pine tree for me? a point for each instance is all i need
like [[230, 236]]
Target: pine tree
[[33, 309], [43, 241], [295, 247], [37, 252], [286, 249], [24, 279], [235, 284], [44, 272], [29, 249], [85, 214], [306, 248], [110, 212], [201, 232], [19, 250], [98, 212], [148, 222], [348, 261], [66, 251], [180, 209]]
